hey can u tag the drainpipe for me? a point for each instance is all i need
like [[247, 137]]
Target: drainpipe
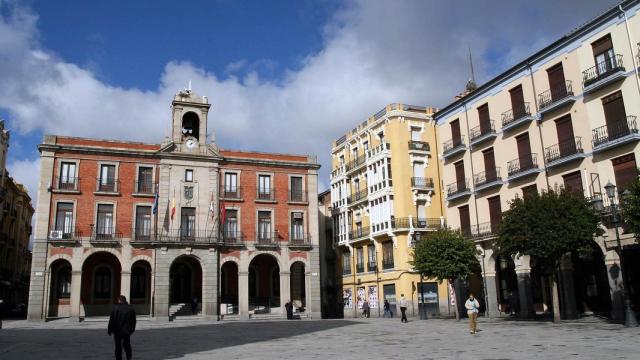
[[475, 199], [633, 58], [539, 126]]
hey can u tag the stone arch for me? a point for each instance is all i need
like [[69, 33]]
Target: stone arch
[[144, 258], [99, 290], [186, 275], [140, 287], [57, 257], [298, 283], [92, 251], [274, 254], [229, 287], [264, 282], [60, 277], [232, 259]]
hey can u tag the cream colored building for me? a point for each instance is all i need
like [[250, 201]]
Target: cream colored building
[[563, 117], [385, 194]]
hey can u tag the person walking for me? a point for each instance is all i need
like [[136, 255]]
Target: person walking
[[387, 309], [194, 305], [472, 307], [289, 308], [366, 309], [403, 308], [122, 324]]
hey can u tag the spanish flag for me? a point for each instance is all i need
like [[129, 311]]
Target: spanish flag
[[173, 208]]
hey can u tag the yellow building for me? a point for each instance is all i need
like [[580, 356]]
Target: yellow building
[[385, 193]]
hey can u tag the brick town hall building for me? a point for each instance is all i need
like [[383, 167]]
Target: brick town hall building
[[236, 230]]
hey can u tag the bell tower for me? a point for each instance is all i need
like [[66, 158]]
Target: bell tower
[[189, 130]]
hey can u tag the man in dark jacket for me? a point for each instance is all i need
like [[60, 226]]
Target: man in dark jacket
[[122, 323]]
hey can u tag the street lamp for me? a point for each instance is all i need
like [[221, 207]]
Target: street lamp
[[629, 316], [421, 307]]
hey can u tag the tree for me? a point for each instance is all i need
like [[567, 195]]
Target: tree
[[547, 227], [630, 207], [445, 255]]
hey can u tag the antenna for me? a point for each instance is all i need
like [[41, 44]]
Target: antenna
[[473, 76], [189, 89]]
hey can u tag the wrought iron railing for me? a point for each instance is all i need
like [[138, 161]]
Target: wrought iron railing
[[355, 163], [563, 149], [480, 130], [602, 70], [67, 183], [360, 267], [107, 185], [387, 264], [516, 114], [487, 176], [298, 239], [232, 238], [372, 266], [105, 234], [145, 186], [378, 149], [67, 234], [267, 238], [266, 194], [613, 131], [422, 183], [231, 192], [359, 233], [298, 196], [458, 187], [426, 223], [522, 164], [400, 223], [419, 145], [357, 196], [452, 144], [547, 98], [482, 230], [188, 235]]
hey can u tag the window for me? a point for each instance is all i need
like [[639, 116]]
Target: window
[[456, 137], [107, 178], [145, 180], [415, 133], [495, 212], [359, 260], [490, 171], [365, 146], [529, 191], [264, 226], [346, 263], [625, 171], [64, 283], [484, 118], [105, 227], [557, 84], [102, 283], [188, 175], [371, 255], [138, 283], [143, 222], [615, 117], [525, 158], [603, 54], [264, 187], [231, 189], [297, 226], [418, 170], [465, 221], [64, 219], [296, 193], [67, 176], [518, 106], [188, 222], [387, 255], [231, 225], [573, 182]]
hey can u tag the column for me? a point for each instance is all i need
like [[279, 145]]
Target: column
[[243, 295], [125, 284], [210, 284], [523, 273], [285, 289], [76, 286], [616, 289], [569, 309], [160, 291], [491, 292]]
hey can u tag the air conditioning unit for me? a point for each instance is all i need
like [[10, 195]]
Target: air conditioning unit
[[297, 215], [55, 234]]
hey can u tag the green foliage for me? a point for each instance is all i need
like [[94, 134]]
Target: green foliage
[[445, 255], [547, 226], [631, 207]]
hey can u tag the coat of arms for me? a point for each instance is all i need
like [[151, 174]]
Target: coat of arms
[[188, 192]]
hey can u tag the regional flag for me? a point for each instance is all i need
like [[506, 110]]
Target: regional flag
[[173, 208]]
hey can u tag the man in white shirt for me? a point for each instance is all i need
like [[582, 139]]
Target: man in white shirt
[[472, 307], [403, 308]]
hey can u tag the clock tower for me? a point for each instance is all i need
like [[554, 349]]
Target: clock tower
[[189, 131]]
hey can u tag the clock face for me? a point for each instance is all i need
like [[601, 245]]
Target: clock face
[[191, 143]]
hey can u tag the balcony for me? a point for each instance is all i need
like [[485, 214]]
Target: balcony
[[267, 239], [107, 187], [142, 235], [346, 271], [232, 193], [458, 190], [105, 236], [555, 98], [298, 197], [380, 149], [482, 231], [400, 223], [523, 166], [426, 223], [232, 239], [372, 266], [359, 234], [69, 235], [419, 146], [188, 236], [453, 147], [299, 240], [564, 152], [266, 195], [487, 179], [422, 183], [357, 197], [360, 268], [603, 74], [355, 164], [511, 118], [616, 134], [387, 264], [66, 184], [478, 135], [144, 188]]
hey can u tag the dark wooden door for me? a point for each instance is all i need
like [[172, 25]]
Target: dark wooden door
[[615, 116], [485, 121], [524, 152], [566, 141], [455, 133], [625, 171], [489, 165], [460, 176], [573, 182], [517, 102], [495, 211], [556, 82], [465, 221]]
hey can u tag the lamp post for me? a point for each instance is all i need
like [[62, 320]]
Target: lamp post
[[421, 308], [629, 316]]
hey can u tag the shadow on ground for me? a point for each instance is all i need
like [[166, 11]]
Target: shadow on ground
[[161, 343]]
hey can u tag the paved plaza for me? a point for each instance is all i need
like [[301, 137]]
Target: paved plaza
[[327, 339]]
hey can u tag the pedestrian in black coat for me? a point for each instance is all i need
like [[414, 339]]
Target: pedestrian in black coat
[[122, 323]]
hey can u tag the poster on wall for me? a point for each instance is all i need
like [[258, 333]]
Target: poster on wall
[[452, 295], [347, 298], [373, 297], [361, 297]]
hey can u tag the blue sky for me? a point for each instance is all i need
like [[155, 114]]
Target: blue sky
[[308, 69]]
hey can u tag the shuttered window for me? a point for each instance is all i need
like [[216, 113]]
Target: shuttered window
[[485, 121], [465, 221], [455, 132], [573, 182], [625, 170], [556, 82], [495, 211], [517, 102]]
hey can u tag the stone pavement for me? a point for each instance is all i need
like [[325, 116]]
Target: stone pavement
[[327, 339]]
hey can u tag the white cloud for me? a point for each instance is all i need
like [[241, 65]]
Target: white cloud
[[374, 53]]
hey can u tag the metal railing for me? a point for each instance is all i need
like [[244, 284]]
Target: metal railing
[[400, 223], [378, 149], [267, 238], [346, 271], [231, 192], [298, 196], [458, 187], [232, 238], [513, 115], [105, 235], [359, 233], [617, 130], [142, 234], [68, 234], [266, 194], [547, 98], [482, 230], [372, 266], [107, 185], [426, 223], [342, 139], [452, 144], [297, 239], [419, 145], [360, 267], [144, 186], [422, 183], [360, 195], [387, 264], [521, 164], [189, 236], [486, 177], [563, 149], [355, 163], [478, 131], [602, 70], [66, 183]]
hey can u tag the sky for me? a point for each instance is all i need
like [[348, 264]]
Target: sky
[[282, 76]]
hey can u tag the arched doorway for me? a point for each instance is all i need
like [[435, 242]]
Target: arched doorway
[[507, 284], [60, 289], [185, 285], [141, 287], [229, 288], [264, 284], [591, 283], [101, 275], [297, 286]]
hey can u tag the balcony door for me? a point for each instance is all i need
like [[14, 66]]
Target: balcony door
[[517, 102], [524, 152], [615, 116], [455, 133], [566, 140], [489, 165], [573, 182], [108, 178], [64, 219], [105, 228], [145, 180], [187, 222], [625, 170], [465, 220], [485, 120], [67, 175], [460, 176], [557, 84], [495, 212], [143, 222], [603, 54], [296, 188]]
